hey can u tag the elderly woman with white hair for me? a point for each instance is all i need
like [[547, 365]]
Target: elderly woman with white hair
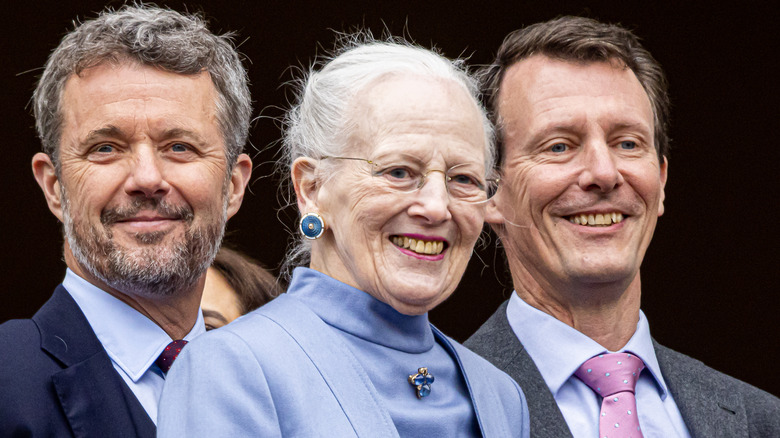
[[391, 158]]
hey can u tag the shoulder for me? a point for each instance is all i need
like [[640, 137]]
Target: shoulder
[[19, 331], [20, 342], [247, 341], [481, 370], [686, 375], [495, 326], [30, 401], [263, 327], [674, 364], [496, 342]]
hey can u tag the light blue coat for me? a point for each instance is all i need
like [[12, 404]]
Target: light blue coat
[[282, 371]]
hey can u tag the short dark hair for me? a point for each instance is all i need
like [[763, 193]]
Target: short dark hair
[[579, 39], [156, 37], [254, 285]]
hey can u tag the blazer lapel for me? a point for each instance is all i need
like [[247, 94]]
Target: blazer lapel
[[707, 408], [95, 402], [496, 342], [482, 396], [346, 377], [95, 399]]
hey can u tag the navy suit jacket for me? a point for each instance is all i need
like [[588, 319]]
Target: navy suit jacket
[[56, 380], [712, 404]]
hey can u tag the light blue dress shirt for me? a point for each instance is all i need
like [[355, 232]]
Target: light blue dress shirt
[[132, 341], [558, 350]]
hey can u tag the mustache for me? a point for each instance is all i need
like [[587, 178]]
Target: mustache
[[177, 212]]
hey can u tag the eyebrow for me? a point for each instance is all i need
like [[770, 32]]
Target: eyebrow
[[215, 314], [575, 128], [180, 132], [108, 131], [115, 131], [632, 126]]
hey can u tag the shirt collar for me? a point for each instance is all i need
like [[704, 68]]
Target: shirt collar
[[558, 349], [131, 340], [360, 314]]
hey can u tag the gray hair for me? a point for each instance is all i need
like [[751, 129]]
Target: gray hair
[[160, 38], [319, 122]]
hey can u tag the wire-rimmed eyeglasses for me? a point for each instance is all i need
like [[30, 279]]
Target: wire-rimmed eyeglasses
[[464, 182]]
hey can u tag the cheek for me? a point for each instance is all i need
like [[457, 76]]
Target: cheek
[[89, 200], [201, 195], [646, 182], [470, 220], [362, 208]]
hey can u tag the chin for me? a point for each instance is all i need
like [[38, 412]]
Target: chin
[[414, 301], [601, 274]]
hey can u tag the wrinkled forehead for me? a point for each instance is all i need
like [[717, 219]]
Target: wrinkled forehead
[[540, 93], [414, 114]]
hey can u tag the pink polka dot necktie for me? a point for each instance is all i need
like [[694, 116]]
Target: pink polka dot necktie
[[170, 354], [613, 376]]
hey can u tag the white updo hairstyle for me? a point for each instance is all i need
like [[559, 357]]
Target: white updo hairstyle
[[319, 123]]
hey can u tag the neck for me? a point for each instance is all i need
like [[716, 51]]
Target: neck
[[606, 313], [175, 314]]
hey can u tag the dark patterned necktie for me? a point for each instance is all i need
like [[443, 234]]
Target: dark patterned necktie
[[170, 354]]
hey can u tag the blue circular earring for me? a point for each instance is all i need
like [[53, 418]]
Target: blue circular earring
[[312, 226]]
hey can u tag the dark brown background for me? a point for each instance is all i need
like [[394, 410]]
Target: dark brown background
[[711, 274]]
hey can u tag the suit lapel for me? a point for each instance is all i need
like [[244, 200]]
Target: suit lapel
[[95, 399], [707, 408], [345, 377], [496, 342]]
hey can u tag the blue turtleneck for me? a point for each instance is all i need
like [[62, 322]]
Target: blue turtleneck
[[390, 346]]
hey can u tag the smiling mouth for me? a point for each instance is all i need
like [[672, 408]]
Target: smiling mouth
[[419, 246], [596, 220]]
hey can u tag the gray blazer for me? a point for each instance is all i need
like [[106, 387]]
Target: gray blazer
[[712, 404]]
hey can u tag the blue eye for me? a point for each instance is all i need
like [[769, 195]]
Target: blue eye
[[464, 179], [179, 147], [627, 145], [105, 149], [397, 172], [559, 147]]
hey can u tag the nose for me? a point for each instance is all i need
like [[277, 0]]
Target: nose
[[146, 176], [431, 201], [600, 170]]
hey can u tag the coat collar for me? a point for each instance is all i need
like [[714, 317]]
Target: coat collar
[[93, 396], [352, 386]]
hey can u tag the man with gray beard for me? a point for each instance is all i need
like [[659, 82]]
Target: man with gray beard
[[143, 114]]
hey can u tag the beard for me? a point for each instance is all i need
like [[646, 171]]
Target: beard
[[151, 269]]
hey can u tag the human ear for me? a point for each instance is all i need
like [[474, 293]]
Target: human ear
[[306, 184], [664, 174], [46, 176], [493, 213], [239, 179]]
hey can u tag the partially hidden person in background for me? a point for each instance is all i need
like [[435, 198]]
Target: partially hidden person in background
[[235, 285], [391, 160], [582, 116], [143, 114]]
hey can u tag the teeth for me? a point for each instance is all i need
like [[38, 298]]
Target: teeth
[[601, 219], [431, 247]]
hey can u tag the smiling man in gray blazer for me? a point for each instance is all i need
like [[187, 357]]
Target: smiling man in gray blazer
[[582, 112]]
